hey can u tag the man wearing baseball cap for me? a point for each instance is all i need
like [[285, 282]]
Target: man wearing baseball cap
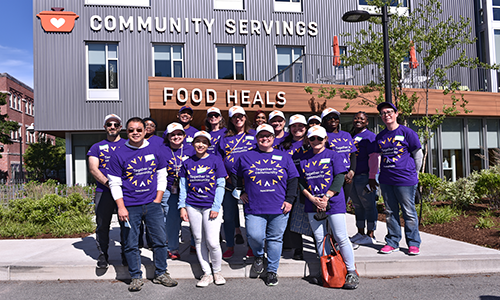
[[98, 156], [185, 116]]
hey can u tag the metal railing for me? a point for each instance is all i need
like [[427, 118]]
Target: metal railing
[[315, 68]]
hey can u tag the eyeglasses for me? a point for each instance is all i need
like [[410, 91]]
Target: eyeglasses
[[213, 116], [313, 138], [177, 134], [150, 125], [238, 116], [130, 130], [266, 136], [111, 124], [387, 113], [328, 118]]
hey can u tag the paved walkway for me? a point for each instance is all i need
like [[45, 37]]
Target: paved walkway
[[75, 259]]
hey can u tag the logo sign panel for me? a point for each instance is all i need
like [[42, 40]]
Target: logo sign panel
[[57, 20]]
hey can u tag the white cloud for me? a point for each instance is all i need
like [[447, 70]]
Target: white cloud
[[11, 50], [18, 63]]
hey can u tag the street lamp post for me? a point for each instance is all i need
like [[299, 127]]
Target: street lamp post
[[355, 16], [21, 176]]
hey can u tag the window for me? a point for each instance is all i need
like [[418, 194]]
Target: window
[[231, 62], [19, 107], [452, 145], [288, 5], [493, 140], [228, 4], [26, 111], [475, 133], [118, 2], [496, 10], [102, 72], [404, 3], [11, 103], [401, 10], [285, 56], [168, 61]]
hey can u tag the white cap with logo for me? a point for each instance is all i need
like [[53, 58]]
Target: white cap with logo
[[276, 113], [174, 126], [328, 111], [213, 110], [297, 119], [264, 127], [236, 110], [111, 116], [314, 117], [316, 131], [203, 134]]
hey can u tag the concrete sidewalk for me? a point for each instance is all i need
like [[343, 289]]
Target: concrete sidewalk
[[75, 259]]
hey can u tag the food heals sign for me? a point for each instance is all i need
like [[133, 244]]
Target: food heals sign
[[57, 20]]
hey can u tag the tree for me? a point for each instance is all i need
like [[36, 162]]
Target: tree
[[43, 157], [6, 126]]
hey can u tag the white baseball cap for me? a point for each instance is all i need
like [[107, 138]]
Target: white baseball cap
[[203, 134], [276, 113], [236, 110], [213, 110], [264, 127], [111, 116], [297, 119], [174, 126], [316, 131], [314, 117], [328, 111]]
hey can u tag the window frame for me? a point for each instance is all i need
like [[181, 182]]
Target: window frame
[[403, 10], [138, 3], [172, 60], [292, 57], [229, 4], [234, 61], [493, 8], [288, 6], [107, 94]]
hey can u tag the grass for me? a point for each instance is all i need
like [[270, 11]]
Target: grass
[[438, 215], [484, 223]]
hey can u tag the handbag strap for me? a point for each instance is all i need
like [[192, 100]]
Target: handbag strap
[[331, 244]]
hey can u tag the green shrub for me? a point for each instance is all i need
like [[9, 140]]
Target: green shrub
[[438, 215], [488, 186], [429, 184], [460, 193], [484, 223]]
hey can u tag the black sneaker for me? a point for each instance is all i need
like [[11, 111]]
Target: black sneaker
[[102, 261], [351, 281], [298, 254], [258, 265], [239, 239], [124, 260], [272, 279]]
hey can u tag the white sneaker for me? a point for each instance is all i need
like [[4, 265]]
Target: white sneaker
[[219, 279], [356, 237], [205, 280], [355, 246], [365, 240]]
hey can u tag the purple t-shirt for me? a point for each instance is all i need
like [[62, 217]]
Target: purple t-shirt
[[265, 175], [232, 147], [155, 141], [343, 144], [365, 143], [295, 151], [319, 171], [189, 134], [137, 169], [103, 151], [201, 177], [174, 159], [215, 137], [397, 166], [277, 141]]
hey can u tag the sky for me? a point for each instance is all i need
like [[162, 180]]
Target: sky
[[16, 39]]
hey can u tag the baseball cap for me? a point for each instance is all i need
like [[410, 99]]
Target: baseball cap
[[111, 116], [264, 127], [314, 117], [213, 110], [203, 134], [386, 104], [328, 111], [316, 131], [297, 119], [236, 110], [186, 108], [276, 113], [174, 126]]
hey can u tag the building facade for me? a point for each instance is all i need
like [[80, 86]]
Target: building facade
[[150, 57]]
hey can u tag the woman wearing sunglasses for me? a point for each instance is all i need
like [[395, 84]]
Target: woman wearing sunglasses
[[215, 125], [202, 181], [322, 175], [175, 152]]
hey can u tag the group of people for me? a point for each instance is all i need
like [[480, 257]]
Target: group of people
[[309, 169]]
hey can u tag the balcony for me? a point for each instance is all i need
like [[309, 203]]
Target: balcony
[[315, 68]]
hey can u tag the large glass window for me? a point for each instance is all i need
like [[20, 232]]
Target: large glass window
[[493, 141], [288, 5], [168, 61], [452, 144], [285, 56], [231, 62], [475, 144], [496, 10], [228, 4], [102, 71]]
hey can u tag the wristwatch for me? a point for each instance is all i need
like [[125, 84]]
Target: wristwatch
[[328, 196]]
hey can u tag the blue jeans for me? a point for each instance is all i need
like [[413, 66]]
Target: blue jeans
[[339, 229], [169, 203], [231, 216], [152, 214], [270, 229], [394, 197], [365, 204]]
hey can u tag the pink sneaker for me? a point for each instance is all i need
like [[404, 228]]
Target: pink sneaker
[[228, 254], [249, 253], [413, 250], [388, 249]]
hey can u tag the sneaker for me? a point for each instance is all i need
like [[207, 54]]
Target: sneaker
[[249, 253], [365, 240], [355, 237], [136, 285], [355, 246], [102, 261], [351, 281], [298, 254], [388, 249], [175, 255], [239, 239], [413, 250], [205, 280], [165, 279], [272, 279], [228, 254], [258, 265], [219, 279]]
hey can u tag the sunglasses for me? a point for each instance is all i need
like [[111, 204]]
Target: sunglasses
[[111, 124], [313, 138], [130, 130], [213, 116], [387, 113]]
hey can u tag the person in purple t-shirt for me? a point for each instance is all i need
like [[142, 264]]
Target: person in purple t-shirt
[[202, 182], [99, 155], [185, 116], [277, 121], [342, 143], [137, 180], [322, 175], [151, 136], [401, 159], [270, 188], [364, 184], [215, 125]]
